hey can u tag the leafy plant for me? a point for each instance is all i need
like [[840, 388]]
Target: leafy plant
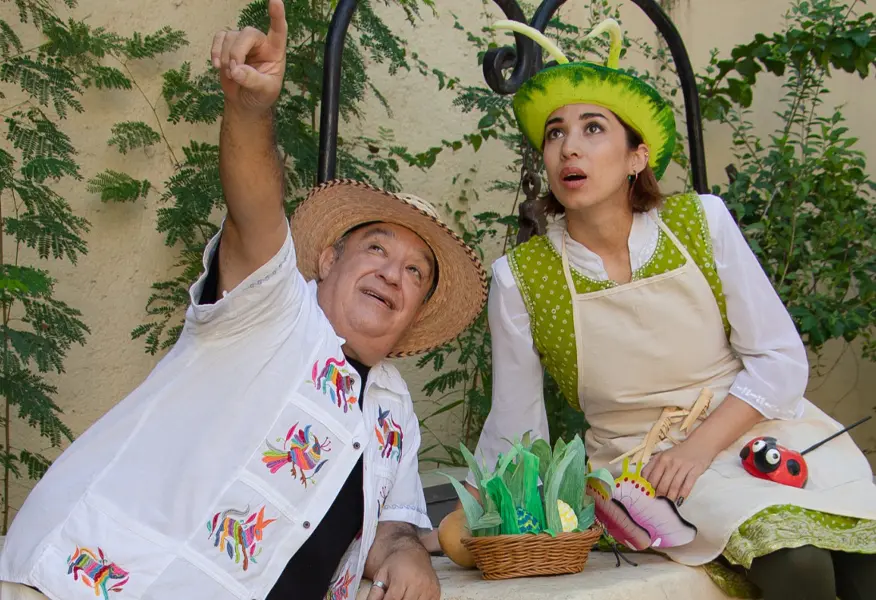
[[37, 223], [802, 194]]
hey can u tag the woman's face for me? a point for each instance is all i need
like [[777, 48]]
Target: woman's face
[[586, 156]]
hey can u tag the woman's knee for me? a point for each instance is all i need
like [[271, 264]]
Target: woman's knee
[[806, 561], [805, 572]]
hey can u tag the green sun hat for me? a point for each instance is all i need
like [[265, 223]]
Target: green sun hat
[[635, 102]]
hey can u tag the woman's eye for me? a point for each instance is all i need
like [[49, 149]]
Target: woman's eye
[[553, 134], [593, 128]]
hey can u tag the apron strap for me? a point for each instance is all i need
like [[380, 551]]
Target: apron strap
[[681, 247], [566, 270]]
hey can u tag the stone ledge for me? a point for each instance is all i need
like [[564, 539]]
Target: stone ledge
[[655, 578]]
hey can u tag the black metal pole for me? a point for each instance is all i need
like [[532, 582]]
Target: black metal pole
[[685, 73], [331, 89]]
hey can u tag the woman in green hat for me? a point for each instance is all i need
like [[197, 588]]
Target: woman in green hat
[[652, 313]]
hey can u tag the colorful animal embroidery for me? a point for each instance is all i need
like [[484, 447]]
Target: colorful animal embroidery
[[96, 572], [336, 381], [302, 449], [340, 590], [389, 435], [239, 537]]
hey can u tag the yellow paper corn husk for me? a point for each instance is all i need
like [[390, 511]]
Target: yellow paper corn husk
[[568, 518]]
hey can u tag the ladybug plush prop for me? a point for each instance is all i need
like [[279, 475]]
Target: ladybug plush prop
[[764, 458]]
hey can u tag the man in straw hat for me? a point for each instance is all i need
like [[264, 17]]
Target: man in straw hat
[[273, 452]]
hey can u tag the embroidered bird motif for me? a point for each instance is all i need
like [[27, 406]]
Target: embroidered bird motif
[[302, 449]]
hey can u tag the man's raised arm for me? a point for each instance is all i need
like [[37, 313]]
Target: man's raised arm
[[251, 66]]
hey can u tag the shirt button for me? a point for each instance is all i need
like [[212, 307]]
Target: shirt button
[[356, 445], [306, 524]]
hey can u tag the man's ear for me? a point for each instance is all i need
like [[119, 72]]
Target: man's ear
[[327, 260]]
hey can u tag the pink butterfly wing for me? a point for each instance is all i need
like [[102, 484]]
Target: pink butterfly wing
[[658, 516], [618, 523]]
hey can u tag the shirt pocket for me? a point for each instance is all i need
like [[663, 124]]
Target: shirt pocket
[[100, 550], [304, 458]]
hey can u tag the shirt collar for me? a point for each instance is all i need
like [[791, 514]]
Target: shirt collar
[[383, 374]]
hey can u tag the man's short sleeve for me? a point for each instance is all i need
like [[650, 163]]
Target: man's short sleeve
[[406, 502], [276, 290]]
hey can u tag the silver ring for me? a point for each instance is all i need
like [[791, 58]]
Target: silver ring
[[379, 584]]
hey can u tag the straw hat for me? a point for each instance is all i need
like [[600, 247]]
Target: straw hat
[[335, 207]]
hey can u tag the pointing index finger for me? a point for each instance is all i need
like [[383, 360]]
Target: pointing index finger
[[278, 29]]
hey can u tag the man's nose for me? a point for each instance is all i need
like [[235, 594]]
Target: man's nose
[[391, 272]]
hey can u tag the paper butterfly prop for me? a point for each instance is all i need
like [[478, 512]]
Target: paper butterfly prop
[[634, 516]]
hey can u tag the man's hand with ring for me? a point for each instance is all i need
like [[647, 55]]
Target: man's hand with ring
[[406, 576]]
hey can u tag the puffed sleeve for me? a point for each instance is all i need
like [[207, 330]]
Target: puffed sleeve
[[776, 369], [518, 384]]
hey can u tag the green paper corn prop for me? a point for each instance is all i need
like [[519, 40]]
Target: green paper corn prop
[[633, 101], [532, 490]]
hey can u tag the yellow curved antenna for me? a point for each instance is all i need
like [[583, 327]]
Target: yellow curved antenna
[[535, 35], [615, 43]]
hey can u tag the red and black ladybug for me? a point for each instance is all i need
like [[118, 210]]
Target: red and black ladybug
[[763, 457]]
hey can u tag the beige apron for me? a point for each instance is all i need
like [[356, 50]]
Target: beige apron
[[656, 343]]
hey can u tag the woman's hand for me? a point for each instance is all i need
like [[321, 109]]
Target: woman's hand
[[674, 472]]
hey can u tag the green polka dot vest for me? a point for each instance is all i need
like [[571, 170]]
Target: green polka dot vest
[[538, 270]]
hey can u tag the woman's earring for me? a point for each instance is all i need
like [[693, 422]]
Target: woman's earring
[[632, 177]]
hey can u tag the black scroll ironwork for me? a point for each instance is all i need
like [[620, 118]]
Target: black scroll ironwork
[[523, 60]]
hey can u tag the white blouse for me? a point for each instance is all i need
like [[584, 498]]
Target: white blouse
[[775, 366]]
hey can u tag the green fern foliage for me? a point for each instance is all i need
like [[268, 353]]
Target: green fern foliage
[[114, 186], [130, 135], [37, 330]]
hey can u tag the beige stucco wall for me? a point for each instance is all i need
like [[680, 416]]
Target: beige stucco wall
[[111, 283]]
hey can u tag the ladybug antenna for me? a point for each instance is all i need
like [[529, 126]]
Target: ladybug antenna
[[837, 434]]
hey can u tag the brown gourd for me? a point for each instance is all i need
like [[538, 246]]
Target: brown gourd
[[451, 530]]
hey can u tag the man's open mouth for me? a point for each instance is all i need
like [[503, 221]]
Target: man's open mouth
[[386, 301]]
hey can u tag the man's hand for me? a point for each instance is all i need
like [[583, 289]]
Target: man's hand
[[251, 64], [402, 564], [407, 576]]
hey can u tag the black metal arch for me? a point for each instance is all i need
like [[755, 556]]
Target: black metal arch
[[523, 60]]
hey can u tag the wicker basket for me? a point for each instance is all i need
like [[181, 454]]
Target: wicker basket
[[510, 556]]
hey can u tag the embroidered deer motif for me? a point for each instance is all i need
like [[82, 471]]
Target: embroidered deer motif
[[389, 435], [301, 449], [96, 572], [335, 381], [239, 537]]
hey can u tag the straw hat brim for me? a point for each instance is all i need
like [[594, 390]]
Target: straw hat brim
[[333, 208]]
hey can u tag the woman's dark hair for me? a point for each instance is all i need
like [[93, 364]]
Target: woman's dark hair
[[646, 191]]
